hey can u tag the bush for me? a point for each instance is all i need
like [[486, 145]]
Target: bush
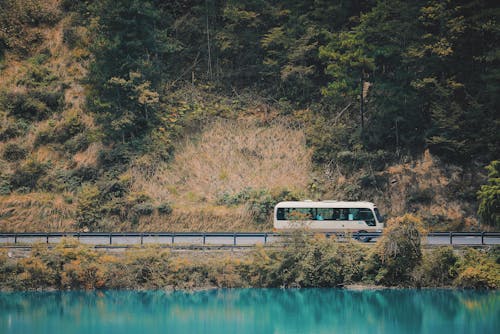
[[438, 268], [398, 251], [5, 186], [477, 271], [10, 128], [33, 274], [165, 208], [14, 152], [28, 174], [17, 17], [80, 142], [489, 196], [62, 133], [142, 209], [259, 203], [307, 262], [88, 212], [421, 196]]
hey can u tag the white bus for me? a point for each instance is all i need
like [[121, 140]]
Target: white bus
[[328, 216]]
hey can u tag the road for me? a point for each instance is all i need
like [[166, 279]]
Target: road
[[223, 238]]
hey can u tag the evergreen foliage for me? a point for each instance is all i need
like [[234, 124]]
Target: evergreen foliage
[[489, 196]]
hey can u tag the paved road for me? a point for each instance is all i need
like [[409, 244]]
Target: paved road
[[227, 239]]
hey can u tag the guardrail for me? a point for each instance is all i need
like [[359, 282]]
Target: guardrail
[[174, 237]]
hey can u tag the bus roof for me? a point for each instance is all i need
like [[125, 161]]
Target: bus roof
[[325, 204]]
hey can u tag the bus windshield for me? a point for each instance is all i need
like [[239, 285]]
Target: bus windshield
[[379, 216]]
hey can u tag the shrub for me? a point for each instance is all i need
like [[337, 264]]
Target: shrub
[[5, 186], [62, 133], [307, 262], [398, 251], [438, 268], [477, 271], [489, 196], [149, 269], [88, 212], [78, 143], [421, 196], [14, 152], [165, 208], [33, 273], [259, 203], [17, 17], [10, 128], [142, 209], [28, 174]]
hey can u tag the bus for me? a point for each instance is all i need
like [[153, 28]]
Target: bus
[[328, 217]]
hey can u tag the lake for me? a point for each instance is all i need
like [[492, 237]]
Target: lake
[[251, 311]]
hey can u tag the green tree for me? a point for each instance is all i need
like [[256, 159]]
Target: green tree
[[452, 62], [130, 51], [489, 197]]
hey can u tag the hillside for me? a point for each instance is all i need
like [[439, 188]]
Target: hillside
[[201, 115]]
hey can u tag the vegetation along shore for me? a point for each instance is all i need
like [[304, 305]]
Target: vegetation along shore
[[397, 260]]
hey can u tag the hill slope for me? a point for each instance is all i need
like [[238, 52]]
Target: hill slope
[[108, 124]]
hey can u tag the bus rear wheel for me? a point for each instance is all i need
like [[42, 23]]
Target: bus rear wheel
[[362, 238]]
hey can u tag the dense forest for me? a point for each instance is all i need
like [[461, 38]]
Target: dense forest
[[390, 99]]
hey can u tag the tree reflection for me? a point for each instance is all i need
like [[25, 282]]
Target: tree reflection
[[252, 310]]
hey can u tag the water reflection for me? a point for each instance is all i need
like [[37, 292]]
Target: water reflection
[[251, 311]]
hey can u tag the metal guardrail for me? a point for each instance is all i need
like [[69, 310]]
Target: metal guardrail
[[265, 236]]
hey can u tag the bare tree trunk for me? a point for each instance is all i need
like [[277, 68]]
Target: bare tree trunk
[[362, 104], [209, 65]]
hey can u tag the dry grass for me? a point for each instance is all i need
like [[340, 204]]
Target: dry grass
[[36, 212], [88, 158], [187, 219], [420, 187], [228, 157]]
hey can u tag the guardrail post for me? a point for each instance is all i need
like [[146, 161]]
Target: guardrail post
[[204, 238], [47, 237], [234, 240], [142, 239], [110, 238], [482, 238], [15, 238], [265, 238], [78, 236], [451, 238], [173, 236]]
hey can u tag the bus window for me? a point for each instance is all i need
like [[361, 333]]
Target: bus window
[[323, 214], [298, 214], [366, 215], [280, 214], [379, 216]]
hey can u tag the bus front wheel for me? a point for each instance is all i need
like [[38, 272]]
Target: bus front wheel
[[362, 238]]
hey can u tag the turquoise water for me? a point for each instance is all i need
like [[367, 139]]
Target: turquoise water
[[251, 311]]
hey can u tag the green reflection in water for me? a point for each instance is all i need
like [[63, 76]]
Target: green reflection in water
[[251, 311]]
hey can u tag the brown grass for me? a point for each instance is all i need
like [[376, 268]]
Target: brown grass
[[88, 158], [36, 212], [228, 157], [426, 175]]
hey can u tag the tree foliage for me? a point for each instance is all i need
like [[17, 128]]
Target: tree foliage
[[489, 196]]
